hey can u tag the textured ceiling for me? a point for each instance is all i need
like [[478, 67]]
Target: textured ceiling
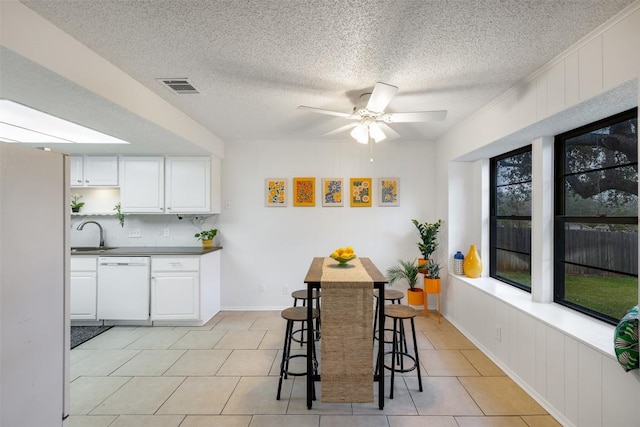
[[255, 61]]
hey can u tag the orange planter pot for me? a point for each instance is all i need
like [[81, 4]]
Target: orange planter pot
[[432, 286], [422, 262], [415, 296]]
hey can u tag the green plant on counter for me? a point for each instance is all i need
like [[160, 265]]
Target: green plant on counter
[[407, 270], [75, 201], [206, 234], [119, 214]]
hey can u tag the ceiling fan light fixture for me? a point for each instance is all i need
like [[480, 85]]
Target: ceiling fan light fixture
[[361, 133], [376, 133]]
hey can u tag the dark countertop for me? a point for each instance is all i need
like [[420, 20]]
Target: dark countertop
[[148, 251]]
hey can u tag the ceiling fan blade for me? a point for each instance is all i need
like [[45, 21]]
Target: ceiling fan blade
[[328, 112], [418, 116], [380, 97], [390, 133], [341, 129]]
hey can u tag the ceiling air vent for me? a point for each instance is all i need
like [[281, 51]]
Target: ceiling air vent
[[179, 85]]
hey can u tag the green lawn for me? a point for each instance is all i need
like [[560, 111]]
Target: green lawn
[[612, 296]]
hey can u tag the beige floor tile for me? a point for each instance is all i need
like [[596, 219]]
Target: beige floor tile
[[216, 421], [298, 399], [540, 421], [353, 421], [422, 421], [257, 395], [248, 363], [203, 340], [285, 420], [441, 396], [449, 340], [401, 404], [423, 341], [158, 339], [78, 354], [234, 323], [269, 323], [148, 421], [88, 392], [198, 363], [248, 340], [447, 363], [149, 363], [200, 396], [482, 363], [117, 337], [140, 396], [490, 392], [273, 340], [490, 422], [89, 420], [102, 362]]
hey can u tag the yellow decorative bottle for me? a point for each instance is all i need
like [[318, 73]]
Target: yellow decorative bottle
[[472, 263]]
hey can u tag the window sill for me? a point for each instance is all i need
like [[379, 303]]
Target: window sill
[[591, 332]]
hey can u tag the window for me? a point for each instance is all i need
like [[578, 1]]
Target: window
[[510, 242], [596, 217]]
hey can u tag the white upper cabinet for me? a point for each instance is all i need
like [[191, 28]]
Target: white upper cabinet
[[142, 184], [94, 171], [179, 185], [188, 184]]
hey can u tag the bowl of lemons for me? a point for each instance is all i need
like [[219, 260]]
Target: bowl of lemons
[[343, 255]]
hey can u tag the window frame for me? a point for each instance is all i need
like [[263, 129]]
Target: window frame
[[561, 219], [494, 218]]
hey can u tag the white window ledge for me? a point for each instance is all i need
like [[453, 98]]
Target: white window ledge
[[589, 331]]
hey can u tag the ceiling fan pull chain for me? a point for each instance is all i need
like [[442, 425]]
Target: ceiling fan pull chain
[[371, 156]]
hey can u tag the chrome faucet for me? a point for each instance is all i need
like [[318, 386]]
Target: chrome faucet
[[81, 226]]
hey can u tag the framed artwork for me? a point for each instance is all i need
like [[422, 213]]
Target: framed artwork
[[304, 191], [275, 190], [332, 192], [361, 192], [389, 191]]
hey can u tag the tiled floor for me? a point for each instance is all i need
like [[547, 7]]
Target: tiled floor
[[225, 374]]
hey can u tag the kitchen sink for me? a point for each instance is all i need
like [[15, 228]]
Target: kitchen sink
[[92, 249]]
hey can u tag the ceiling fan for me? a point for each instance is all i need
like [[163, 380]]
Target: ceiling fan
[[370, 120]]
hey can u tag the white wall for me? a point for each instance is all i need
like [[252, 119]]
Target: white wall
[[565, 360], [274, 246]]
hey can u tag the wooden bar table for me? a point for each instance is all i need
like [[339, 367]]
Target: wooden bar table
[[313, 280]]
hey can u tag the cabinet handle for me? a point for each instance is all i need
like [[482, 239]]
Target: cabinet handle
[[86, 180]]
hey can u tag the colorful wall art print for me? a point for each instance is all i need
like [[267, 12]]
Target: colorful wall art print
[[304, 191], [361, 192], [332, 192], [275, 191], [389, 191]]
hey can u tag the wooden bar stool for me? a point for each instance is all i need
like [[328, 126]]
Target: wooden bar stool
[[399, 313], [292, 315], [301, 294], [389, 295]]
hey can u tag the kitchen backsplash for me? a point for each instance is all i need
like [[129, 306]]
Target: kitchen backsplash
[[154, 230]]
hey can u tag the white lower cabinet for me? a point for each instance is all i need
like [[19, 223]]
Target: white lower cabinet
[[83, 288], [175, 288]]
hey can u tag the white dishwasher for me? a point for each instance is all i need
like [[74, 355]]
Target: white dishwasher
[[123, 288]]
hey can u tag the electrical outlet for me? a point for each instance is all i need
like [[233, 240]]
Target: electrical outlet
[[285, 290], [167, 232], [262, 287], [135, 232], [498, 333]]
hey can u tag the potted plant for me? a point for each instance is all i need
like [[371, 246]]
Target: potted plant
[[407, 270], [207, 237], [432, 278], [428, 240], [76, 204], [119, 214]]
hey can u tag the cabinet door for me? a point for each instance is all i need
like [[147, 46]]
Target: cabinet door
[[76, 171], [188, 184], [142, 184], [83, 292], [175, 296], [101, 170]]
